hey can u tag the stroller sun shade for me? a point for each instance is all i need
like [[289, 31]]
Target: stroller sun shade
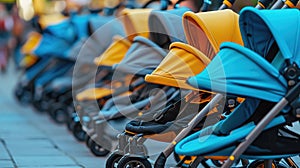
[[47, 20], [164, 27], [142, 57], [135, 22], [181, 62], [207, 30], [33, 41], [260, 29], [239, 71], [245, 73], [114, 53]]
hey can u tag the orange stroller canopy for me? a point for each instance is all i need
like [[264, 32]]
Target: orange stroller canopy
[[114, 53], [203, 33], [207, 30], [135, 22], [182, 61], [48, 20]]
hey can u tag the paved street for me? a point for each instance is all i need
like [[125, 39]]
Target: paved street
[[29, 139]]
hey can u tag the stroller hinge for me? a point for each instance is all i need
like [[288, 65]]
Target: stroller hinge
[[292, 74]]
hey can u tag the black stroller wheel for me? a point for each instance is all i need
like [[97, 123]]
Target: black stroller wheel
[[113, 160], [37, 105], [45, 104], [88, 141], [23, 96], [71, 122], [18, 93], [133, 162], [59, 115], [217, 163], [98, 150], [26, 97], [69, 125], [260, 164], [78, 132]]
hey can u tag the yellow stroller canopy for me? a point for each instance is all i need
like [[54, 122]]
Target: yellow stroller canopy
[[93, 94], [203, 33], [207, 30], [181, 62], [135, 22], [114, 53], [32, 42], [47, 20]]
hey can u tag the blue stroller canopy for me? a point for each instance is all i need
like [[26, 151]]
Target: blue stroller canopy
[[261, 26], [239, 71], [101, 30], [51, 45], [63, 30], [242, 72], [142, 57]]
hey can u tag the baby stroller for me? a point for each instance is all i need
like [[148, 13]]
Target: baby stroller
[[39, 51], [132, 20], [93, 97], [120, 107], [64, 62], [182, 61], [134, 63], [271, 86], [57, 96]]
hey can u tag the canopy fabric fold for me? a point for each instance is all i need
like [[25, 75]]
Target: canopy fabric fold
[[114, 53], [207, 30], [181, 62], [142, 57], [164, 27], [239, 71], [135, 22], [260, 28]]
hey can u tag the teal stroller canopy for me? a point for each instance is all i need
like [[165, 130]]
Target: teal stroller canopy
[[242, 72], [283, 27]]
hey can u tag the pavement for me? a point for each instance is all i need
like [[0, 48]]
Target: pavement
[[29, 139]]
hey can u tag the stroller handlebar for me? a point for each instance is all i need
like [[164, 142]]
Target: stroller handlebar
[[290, 4], [226, 4], [263, 4]]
